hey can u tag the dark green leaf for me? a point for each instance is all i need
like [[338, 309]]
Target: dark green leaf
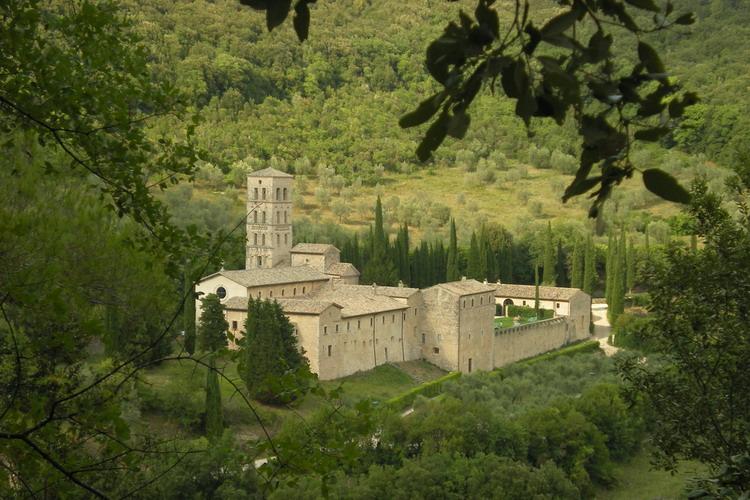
[[424, 111], [685, 19], [508, 80], [302, 20], [665, 186], [458, 125], [433, 137], [578, 187], [256, 4], [277, 12], [526, 105], [644, 4], [651, 134], [599, 45], [487, 16], [559, 24], [534, 38], [650, 58]]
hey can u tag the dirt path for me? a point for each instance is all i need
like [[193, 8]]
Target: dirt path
[[602, 328]]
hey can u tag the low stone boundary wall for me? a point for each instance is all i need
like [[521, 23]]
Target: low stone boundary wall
[[524, 341]]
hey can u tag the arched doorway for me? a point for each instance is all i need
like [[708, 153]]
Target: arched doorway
[[506, 303]]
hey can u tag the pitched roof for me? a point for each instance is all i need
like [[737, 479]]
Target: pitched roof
[[291, 306], [358, 300], [269, 172], [342, 269], [527, 292], [466, 287], [315, 248], [273, 276], [402, 292]]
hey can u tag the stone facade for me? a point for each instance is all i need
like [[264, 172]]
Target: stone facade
[[344, 327], [269, 221]]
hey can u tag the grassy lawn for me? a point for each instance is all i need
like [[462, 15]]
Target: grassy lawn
[[503, 322], [637, 479], [174, 393]]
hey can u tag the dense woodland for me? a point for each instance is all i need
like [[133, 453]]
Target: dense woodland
[[127, 131]]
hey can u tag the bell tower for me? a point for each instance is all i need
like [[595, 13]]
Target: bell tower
[[269, 220]]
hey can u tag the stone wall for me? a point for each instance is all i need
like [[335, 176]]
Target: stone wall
[[525, 341], [359, 343]]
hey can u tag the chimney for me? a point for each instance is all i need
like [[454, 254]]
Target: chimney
[[375, 288], [400, 284]]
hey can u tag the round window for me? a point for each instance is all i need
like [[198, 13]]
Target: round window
[[221, 292]]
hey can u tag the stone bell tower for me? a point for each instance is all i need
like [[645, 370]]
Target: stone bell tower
[[269, 221]]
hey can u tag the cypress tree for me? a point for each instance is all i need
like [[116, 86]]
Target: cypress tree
[[379, 267], [630, 276], [589, 267], [213, 326], [549, 258], [609, 268], [536, 290], [214, 423], [562, 274], [576, 266], [472, 268], [188, 310], [451, 272], [269, 351]]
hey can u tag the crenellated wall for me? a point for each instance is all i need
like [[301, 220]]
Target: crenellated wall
[[524, 341]]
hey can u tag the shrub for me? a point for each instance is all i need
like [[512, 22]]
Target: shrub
[[536, 208], [428, 389], [631, 332], [527, 312]]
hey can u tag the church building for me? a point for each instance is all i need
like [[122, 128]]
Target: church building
[[345, 327]]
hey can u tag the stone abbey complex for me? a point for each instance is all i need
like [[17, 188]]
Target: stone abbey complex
[[345, 327]]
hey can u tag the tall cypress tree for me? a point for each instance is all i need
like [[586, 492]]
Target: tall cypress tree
[[576, 266], [213, 326], [189, 309], [451, 272], [269, 351], [609, 268], [561, 271], [630, 273], [589, 267], [214, 422], [536, 289], [549, 277], [472, 268], [379, 267]]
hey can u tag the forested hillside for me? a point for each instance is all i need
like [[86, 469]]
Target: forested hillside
[[328, 109]]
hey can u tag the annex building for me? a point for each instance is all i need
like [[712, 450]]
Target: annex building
[[345, 327]]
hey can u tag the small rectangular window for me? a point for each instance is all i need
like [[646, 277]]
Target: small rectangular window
[[325, 330], [359, 324], [435, 350], [370, 321], [557, 305], [469, 365], [337, 328], [270, 294], [294, 291], [234, 325], [329, 351], [464, 303], [423, 338], [348, 326], [393, 318], [383, 318], [282, 292]]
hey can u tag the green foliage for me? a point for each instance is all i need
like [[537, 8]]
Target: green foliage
[[271, 363], [188, 310], [589, 267], [428, 389], [452, 272], [631, 332], [577, 265], [587, 346], [212, 326], [696, 385], [529, 313], [214, 414], [549, 278]]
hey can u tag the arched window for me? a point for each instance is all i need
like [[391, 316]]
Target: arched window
[[255, 239], [263, 217], [263, 239], [284, 193], [278, 194], [278, 239], [263, 192], [285, 219], [278, 217], [255, 217], [286, 239], [256, 194]]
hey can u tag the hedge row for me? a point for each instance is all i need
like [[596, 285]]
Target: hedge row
[[528, 312], [428, 389], [577, 348]]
